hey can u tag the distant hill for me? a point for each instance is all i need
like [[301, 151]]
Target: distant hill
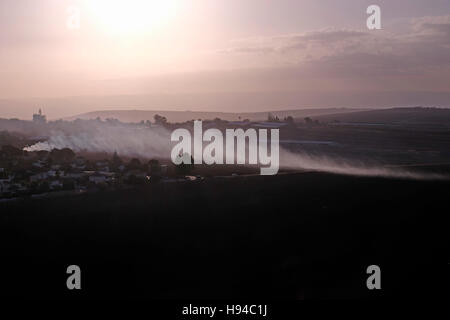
[[394, 116], [182, 116]]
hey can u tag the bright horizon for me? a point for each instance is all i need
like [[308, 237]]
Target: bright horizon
[[227, 56]]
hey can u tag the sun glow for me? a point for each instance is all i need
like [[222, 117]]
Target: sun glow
[[130, 17]]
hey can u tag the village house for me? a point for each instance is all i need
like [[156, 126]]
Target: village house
[[39, 164], [4, 187], [137, 174], [74, 175], [5, 184], [51, 173], [39, 176], [98, 178], [55, 184], [102, 166], [56, 167], [79, 163]]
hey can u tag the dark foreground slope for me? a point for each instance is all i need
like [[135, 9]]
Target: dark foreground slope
[[308, 235]]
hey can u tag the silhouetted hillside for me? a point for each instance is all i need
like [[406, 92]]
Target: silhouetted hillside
[[399, 116], [182, 116]]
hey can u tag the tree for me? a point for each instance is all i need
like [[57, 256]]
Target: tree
[[42, 154], [272, 118], [289, 120], [11, 152], [68, 154], [68, 185], [160, 119], [112, 121], [134, 180], [155, 168], [135, 164], [116, 160], [63, 155], [44, 187]]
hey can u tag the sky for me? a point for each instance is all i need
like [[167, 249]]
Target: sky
[[234, 55]]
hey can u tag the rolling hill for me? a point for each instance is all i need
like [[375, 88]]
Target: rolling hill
[[393, 116], [181, 116]]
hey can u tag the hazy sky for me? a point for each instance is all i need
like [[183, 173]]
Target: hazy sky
[[224, 55]]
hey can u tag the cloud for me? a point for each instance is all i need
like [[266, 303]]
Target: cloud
[[424, 48], [432, 26], [292, 42]]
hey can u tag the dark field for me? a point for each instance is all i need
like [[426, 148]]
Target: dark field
[[291, 236]]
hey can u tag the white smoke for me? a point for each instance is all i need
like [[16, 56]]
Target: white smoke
[[290, 160], [155, 142], [127, 140]]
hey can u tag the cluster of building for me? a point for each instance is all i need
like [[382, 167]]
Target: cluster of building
[[32, 173]]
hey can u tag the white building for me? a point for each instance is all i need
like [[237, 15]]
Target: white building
[[39, 176], [39, 118], [56, 184], [4, 187], [51, 173], [97, 178], [74, 175], [39, 164]]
